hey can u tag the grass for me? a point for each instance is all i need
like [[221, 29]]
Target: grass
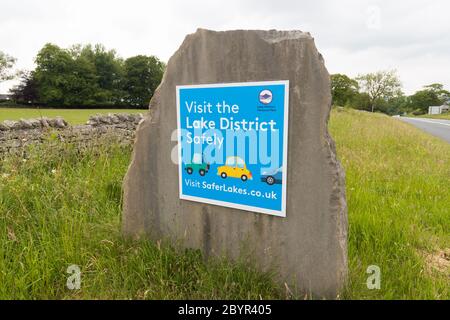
[[63, 207], [73, 116], [399, 205], [445, 116]]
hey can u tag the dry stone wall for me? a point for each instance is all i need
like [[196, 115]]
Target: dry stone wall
[[15, 136]]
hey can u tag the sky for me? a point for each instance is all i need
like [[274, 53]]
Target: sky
[[354, 36]]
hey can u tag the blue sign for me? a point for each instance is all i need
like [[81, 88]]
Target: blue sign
[[232, 144]]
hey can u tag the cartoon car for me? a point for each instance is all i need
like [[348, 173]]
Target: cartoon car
[[198, 164], [234, 167], [272, 176]]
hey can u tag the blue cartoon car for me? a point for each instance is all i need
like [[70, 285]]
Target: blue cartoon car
[[272, 176]]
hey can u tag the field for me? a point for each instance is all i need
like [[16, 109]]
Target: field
[[63, 207], [72, 116]]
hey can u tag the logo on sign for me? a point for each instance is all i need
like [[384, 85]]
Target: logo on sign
[[265, 96]]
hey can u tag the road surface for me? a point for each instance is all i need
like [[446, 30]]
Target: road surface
[[437, 127]]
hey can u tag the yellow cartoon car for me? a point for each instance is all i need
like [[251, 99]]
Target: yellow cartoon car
[[234, 167]]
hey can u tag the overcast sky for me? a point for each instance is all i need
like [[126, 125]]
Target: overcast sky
[[355, 36]]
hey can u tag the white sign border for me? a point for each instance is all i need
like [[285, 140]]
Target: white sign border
[[277, 213]]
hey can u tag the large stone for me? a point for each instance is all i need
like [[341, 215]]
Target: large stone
[[308, 248]]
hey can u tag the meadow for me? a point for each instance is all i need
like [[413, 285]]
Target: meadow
[[63, 207], [72, 116]]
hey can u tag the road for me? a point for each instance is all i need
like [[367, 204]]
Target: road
[[437, 127]]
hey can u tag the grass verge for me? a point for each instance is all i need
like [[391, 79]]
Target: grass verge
[[62, 207], [444, 116], [399, 205]]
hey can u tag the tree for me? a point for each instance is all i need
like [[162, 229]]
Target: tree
[[431, 95], [27, 90], [142, 75], [397, 105], [380, 86], [343, 89], [438, 89], [422, 99], [109, 72], [361, 101], [86, 76], [6, 64], [65, 77], [53, 72]]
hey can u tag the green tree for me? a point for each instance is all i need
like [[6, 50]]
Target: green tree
[[53, 65], [109, 72], [438, 88], [397, 105], [422, 99], [380, 86], [65, 77], [82, 80], [142, 75], [6, 64], [93, 76], [343, 89], [27, 90], [361, 101]]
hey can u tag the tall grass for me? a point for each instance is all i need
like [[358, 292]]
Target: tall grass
[[398, 183], [62, 207]]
